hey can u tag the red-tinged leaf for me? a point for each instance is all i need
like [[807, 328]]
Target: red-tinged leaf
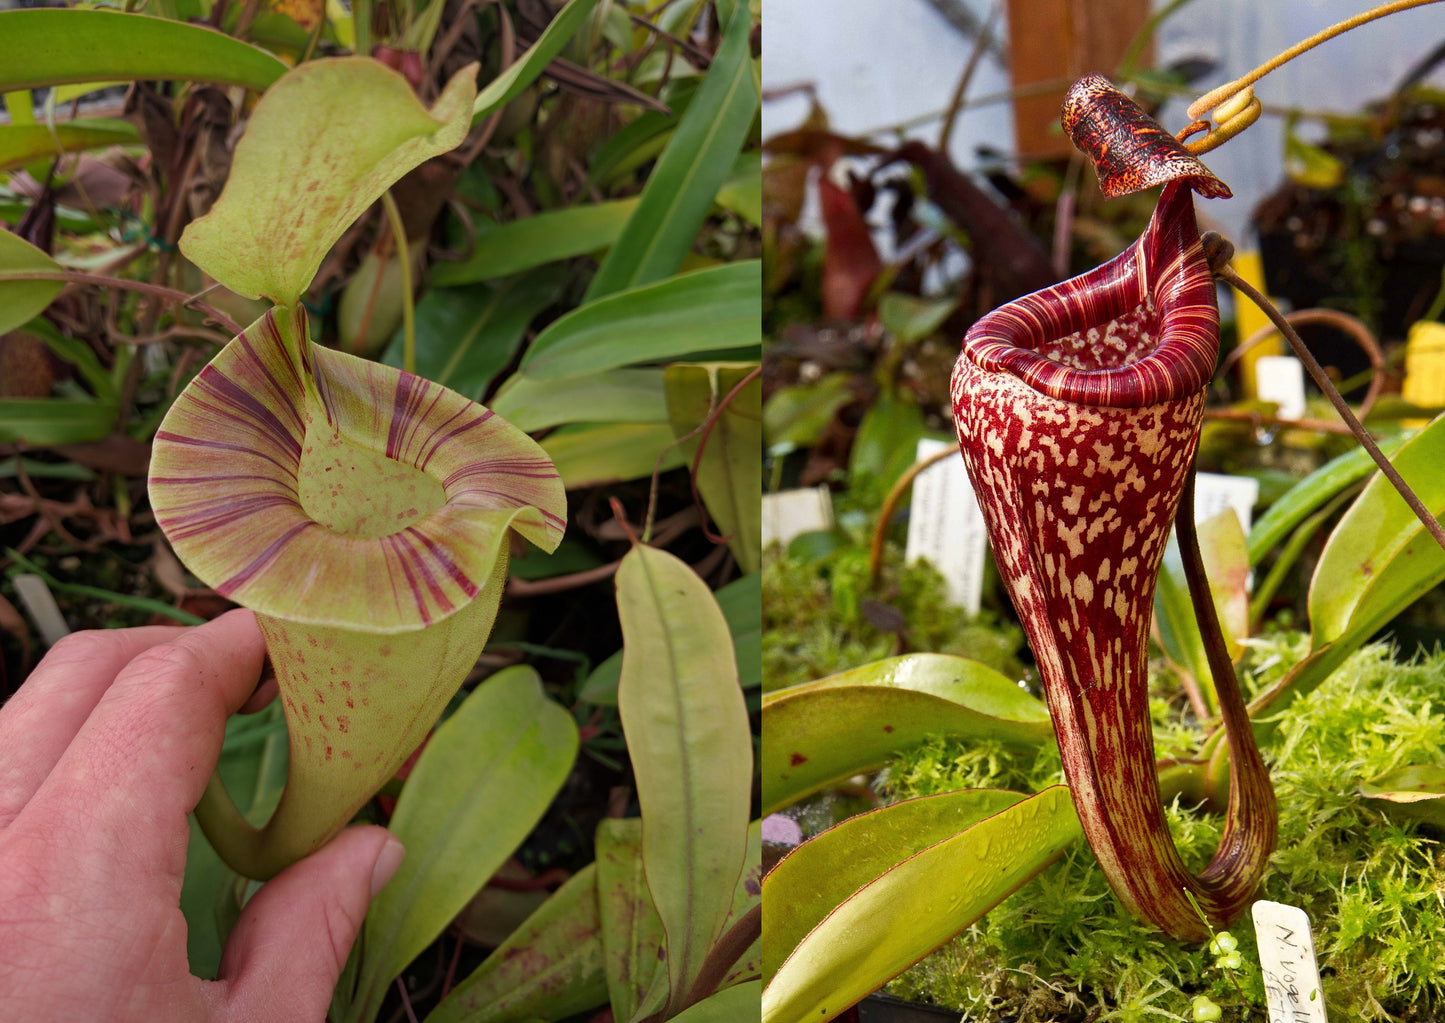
[[851, 262]]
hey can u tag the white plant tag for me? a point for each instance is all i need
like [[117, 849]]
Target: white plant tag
[[1214, 492], [946, 526], [1287, 959], [791, 512], [1281, 379]]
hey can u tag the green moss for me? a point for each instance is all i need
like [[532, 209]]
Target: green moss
[[816, 617], [1374, 888]]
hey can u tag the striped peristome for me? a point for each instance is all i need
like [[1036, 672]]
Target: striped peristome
[[426, 484], [365, 515], [1077, 410]]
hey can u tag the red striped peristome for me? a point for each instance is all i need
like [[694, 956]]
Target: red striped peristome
[[1077, 410]]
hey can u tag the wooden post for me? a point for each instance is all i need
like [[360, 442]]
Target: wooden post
[[1060, 41]]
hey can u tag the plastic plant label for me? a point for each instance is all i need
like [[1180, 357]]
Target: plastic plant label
[[946, 526], [1281, 379], [1214, 492], [1425, 365], [791, 512], [1287, 962]]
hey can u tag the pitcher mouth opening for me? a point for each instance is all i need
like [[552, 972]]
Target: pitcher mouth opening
[[1138, 330]]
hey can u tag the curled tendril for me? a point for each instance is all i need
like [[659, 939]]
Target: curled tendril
[[1232, 116]]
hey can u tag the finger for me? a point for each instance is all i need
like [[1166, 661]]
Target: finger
[[40, 720], [139, 764], [261, 698], [288, 947]]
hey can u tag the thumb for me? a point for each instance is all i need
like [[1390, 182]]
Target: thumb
[[291, 941]]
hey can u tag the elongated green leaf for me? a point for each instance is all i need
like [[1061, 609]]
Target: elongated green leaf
[[887, 438], [822, 873], [466, 336], [826, 730], [1310, 494], [532, 241], [588, 455], [21, 143], [524, 71], [1416, 793], [41, 422], [739, 1002], [322, 145], [550, 968], [20, 301], [747, 896], [51, 47], [909, 318], [742, 605], [612, 396], [693, 312], [729, 474], [687, 733], [797, 415], [631, 929], [917, 905], [1379, 558], [683, 184], [742, 192], [481, 784]]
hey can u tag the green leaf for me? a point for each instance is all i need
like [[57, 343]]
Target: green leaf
[[42, 422], [504, 249], [631, 929], [480, 785], [22, 301], [797, 415], [823, 731], [51, 47], [588, 455], [747, 895], [742, 605], [738, 1002], [688, 737], [822, 873], [693, 312], [699, 158], [742, 192], [916, 905], [887, 438], [909, 318], [1379, 558], [466, 336], [551, 967], [729, 473], [1312, 493], [612, 396], [1416, 793], [525, 70], [21, 143], [322, 145]]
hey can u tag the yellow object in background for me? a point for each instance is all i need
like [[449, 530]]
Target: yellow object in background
[[1250, 318], [1425, 365]]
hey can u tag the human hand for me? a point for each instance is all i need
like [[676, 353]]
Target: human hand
[[103, 752]]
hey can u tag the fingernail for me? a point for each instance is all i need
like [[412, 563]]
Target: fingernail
[[387, 862]]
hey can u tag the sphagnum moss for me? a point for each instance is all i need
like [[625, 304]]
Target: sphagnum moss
[[1374, 887]]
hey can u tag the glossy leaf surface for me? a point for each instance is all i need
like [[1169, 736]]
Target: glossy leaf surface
[[525, 70], [731, 1005], [21, 143], [823, 872], [1379, 558], [917, 905], [484, 780], [730, 469], [20, 301], [551, 967], [1416, 793], [824, 731], [505, 249], [612, 396], [587, 454], [688, 737], [309, 165], [45, 421], [693, 312], [698, 159], [50, 47]]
